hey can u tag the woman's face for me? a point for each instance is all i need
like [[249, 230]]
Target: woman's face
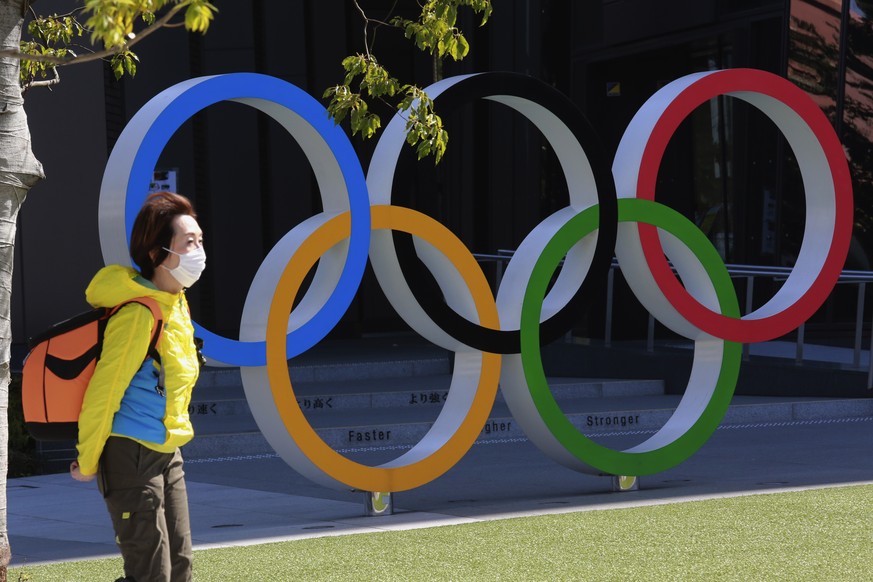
[[187, 236]]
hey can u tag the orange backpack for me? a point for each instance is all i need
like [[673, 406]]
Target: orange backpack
[[59, 366]]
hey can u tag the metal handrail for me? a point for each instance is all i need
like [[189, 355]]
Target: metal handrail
[[750, 273]]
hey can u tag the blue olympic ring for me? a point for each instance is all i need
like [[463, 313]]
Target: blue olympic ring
[[152, 127]]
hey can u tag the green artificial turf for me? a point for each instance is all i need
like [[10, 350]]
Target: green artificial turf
[[822, 534]]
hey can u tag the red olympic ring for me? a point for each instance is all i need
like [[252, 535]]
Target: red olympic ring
[[785, 101]]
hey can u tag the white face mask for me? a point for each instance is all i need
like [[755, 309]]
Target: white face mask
[[190, 267]]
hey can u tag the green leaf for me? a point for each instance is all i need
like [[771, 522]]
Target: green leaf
[[342, 101], [363, 121], [461, 48], [406, 103], [117, 64], [354, 66], [130, 61], [373, 125], [423, 149], [198, 16]]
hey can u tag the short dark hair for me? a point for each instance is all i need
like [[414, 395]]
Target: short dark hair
[[153, 229]]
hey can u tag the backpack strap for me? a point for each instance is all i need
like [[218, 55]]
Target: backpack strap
[[157, 328]]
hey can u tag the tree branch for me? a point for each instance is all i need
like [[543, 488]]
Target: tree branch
[[47, 83], [366, 25], [98, 55]]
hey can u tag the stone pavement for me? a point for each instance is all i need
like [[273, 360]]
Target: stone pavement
[[258, 498]]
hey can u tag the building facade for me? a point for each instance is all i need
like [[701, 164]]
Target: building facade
[[728, 169]]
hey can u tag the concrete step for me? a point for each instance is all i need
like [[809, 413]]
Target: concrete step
[[394, 410], [399, 410], [412, 391], [363, 367], [348, 430]]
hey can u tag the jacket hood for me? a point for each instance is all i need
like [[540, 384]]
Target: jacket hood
[[115, 284]]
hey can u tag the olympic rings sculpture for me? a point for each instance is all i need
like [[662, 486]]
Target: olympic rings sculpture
[[498, 339]]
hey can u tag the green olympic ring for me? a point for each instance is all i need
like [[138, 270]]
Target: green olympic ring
[[683, 434]]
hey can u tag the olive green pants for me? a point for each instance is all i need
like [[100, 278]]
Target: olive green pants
[[148, 503]]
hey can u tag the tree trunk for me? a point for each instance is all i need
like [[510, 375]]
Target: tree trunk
[[19, 170]]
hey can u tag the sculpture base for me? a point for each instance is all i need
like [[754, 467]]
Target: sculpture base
[[377, 504], [621, 483]]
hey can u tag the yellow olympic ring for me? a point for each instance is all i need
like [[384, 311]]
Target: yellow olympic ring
[[443, 446]]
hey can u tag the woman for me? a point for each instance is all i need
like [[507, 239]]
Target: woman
[[130, 427]]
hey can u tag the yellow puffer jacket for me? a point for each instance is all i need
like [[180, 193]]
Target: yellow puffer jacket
[[121, 364]]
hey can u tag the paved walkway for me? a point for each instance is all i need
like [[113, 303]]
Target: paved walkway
[[249, 500]]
